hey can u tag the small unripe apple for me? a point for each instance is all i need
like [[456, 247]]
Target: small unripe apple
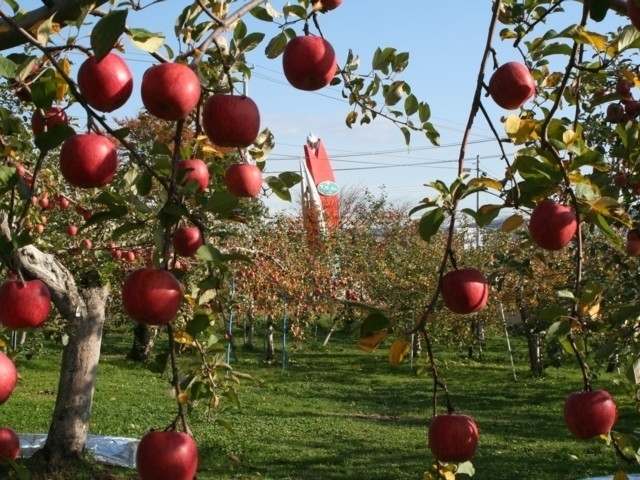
[[105, 85], [511, 85], [552, 225], [465, 290], [309, 62]]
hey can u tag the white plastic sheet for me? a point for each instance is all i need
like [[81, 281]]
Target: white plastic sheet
[[117, 451]]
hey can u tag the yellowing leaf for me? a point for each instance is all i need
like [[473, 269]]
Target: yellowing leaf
[[398, 350], [511, 223], [521, 130], [486, 182], [372, 342], [569, 137], [62, 87], [620, 475], [183, 338], [2, 343], [597, 41], [190, 300]]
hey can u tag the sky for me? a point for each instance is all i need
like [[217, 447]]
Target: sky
[[446, 42]]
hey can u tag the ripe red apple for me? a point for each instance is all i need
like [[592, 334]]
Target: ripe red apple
[[107, 84], [170, 91], [465, 290], [589, 414], [309, 62], [552, 225], [620, 180], [63, 202], [72, 230], [453, 437], [167, 455], [243, 179], [326, 5], [24, 305], [8, 377], [231, 120], [633, 242], [511, 85], [633, 11], [187, 240], [195, 169], [151, 295], [9, 444], [88, 160], [53, 116]]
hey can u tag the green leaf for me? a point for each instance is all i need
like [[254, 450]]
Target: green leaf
[[198, 324], [276, 46], [295, 10], [430, 223], [209, 253], [374, 323], [250, 42], [107, 32], [222, 202], [43, 92], [290, 179], [261, 13], [558, 330], [7, 68], [279, 188], [382, 58], [485, 215], [411, 105], [53, 137], [126, 228]]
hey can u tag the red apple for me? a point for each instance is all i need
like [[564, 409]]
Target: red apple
[[633, 11], [88, 160], [465, 290], [633, 242], [167, 455], [170, 91], [63, 202], [620, 180], [8, 377], [453, 437], [196, 170], [9, 444], [615, 113], [552, 225], [72, 230], [243, 179], [589, 414], [327, 5], [187, 240], [53, 116], [107, 84], [309, 62], [24, 305], [151, 295], [231, 120], [511, 85]]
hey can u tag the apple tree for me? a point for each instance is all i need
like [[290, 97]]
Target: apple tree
[[132, 201]]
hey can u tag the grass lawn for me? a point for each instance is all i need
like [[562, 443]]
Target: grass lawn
[[336, 413]]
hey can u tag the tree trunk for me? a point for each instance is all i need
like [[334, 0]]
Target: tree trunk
[[270, 351], [250, 328], [144, 338], [82, 304]]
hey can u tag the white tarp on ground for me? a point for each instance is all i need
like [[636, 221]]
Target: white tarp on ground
[[610, 477], [110, 450]]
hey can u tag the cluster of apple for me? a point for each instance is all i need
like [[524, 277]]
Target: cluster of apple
[[627, 108]]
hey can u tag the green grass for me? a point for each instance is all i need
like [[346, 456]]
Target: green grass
[[337, 413]]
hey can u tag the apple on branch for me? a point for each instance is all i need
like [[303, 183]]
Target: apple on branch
[[88, 160], [243, 179], [187, 240], [53, 116], [195, 170], [151, 296], [167, 455], [588, 414], [105, 85], [552, 225], [309, 62], [9, 444], [465, 290], [231, 120], [8, 377], [24, 304], [170, 91], [453, 437], [511, 85]]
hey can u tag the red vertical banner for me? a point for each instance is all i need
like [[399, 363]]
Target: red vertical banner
[[321, 171]]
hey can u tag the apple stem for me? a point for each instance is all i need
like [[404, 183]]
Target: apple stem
[[581, 362], [175, 379]]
